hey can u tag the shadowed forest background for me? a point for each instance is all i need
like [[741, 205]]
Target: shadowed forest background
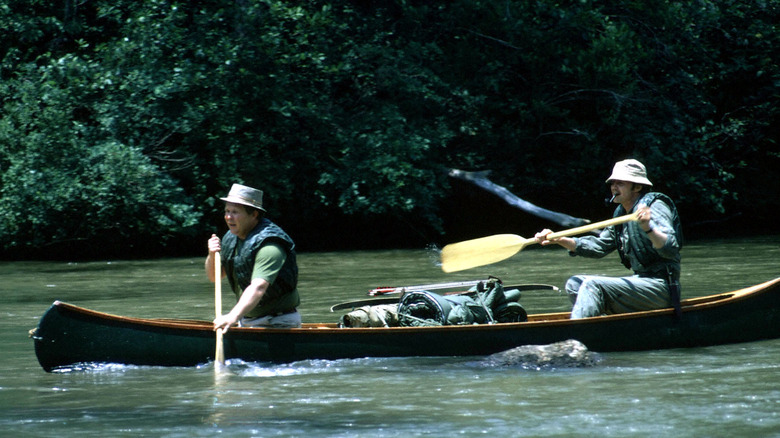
[[123, 121]]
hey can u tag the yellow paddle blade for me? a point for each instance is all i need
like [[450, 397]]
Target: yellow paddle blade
[[483, 251], [492, 249]]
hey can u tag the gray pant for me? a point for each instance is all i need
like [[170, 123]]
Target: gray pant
[[594, 295], [288, 320]]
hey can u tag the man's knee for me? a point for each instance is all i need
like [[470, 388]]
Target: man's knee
[[572, 287], [587, 297]]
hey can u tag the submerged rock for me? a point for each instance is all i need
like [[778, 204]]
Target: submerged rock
[[566, 354]]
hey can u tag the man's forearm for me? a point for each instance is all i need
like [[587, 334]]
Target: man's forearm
[[250, 298], [209, 265]]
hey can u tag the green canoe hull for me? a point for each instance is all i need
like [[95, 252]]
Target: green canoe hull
[[68, 334]]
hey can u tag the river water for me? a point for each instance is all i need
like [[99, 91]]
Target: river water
[[731, 390]]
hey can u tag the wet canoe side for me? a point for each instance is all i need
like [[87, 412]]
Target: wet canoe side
[[69, 334]]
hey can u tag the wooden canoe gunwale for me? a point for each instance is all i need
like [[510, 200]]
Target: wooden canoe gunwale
[[194, 324]]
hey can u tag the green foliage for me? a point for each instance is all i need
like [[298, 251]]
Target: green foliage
[[69, 186], [137, 113]]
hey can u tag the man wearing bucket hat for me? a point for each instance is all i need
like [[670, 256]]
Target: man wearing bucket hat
[[259, 261], [650, 247]]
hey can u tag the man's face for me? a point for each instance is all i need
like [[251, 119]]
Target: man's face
[[624, 191], [238, 220]]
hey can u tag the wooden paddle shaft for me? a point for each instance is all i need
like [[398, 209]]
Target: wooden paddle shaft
[[217, 284], [402, 289], [594, 226], [219, 353]]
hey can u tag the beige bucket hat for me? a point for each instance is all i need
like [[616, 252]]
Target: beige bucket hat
[[630, 170], [245, 195]]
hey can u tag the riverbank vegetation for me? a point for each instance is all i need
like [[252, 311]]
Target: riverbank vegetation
[[122, 121]]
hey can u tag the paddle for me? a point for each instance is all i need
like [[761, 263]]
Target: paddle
[[219, 354], [491, 249], [402, 289], [393, 300]]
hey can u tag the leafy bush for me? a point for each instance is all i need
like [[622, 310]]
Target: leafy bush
[[347, 114]]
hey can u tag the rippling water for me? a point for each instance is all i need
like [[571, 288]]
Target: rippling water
[[731, 390]]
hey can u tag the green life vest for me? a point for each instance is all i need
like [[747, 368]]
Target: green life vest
[[639, 244], [239, 264]]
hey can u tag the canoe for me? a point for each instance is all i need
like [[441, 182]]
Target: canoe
[[67, 334]]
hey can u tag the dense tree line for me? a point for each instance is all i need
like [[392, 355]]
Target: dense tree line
[[123, 120]]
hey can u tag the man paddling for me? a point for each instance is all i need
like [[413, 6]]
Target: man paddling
[[650, 247], [259, 260]]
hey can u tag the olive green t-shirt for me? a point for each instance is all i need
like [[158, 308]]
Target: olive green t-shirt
[[268, 262]]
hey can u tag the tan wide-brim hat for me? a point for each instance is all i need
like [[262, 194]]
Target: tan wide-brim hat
[[630, 170], [245, 195]]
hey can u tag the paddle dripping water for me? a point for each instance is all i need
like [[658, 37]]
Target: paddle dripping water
[[709, 390]]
